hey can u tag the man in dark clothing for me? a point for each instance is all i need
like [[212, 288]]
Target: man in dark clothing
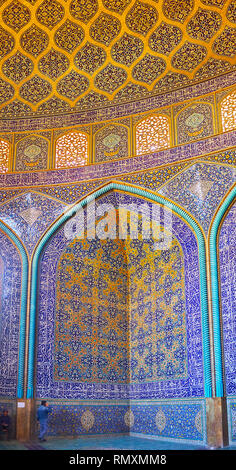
[[42, 417], [5, 424]]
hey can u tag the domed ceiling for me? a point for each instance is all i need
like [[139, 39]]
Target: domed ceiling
[[67, 55]]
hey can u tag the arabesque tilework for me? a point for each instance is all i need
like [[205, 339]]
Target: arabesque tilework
[[91, 317], [143, 131], [158, 339], [149, 179]]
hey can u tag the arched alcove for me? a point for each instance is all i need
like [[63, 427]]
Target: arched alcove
[[149, 340]]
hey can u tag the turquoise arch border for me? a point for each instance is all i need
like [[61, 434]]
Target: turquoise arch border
[[23, 308], [203, 277], [215, 292]]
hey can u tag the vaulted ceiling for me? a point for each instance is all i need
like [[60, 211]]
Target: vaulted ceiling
[[60, 56]]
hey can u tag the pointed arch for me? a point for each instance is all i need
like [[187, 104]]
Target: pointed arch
[[202, 263], [23, 306], [214, 270]]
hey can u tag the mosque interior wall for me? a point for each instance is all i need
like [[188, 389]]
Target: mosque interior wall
[[119, 331]]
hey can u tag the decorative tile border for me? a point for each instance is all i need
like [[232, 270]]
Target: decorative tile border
[[86, 417], [172, 420], [17, 330], [127, 165], [175, 420]]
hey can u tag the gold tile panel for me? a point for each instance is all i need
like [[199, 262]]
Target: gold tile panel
[[100, 52]]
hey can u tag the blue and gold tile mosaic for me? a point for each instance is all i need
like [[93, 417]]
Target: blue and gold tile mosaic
[[72, 281]]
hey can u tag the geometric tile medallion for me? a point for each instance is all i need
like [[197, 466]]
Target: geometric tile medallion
[[200, 188], [29, 215]]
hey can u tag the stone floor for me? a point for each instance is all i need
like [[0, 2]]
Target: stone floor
[[119, 442]]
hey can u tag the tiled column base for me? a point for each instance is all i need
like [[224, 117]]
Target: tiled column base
[[24, 419], [216, 413]]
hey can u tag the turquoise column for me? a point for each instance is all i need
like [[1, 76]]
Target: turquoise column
[[23, 308], [216, 294], [202, 264]]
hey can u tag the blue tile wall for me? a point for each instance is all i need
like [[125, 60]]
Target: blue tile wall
[[79, 418], [9, 317], [179, 420], [227, 259]]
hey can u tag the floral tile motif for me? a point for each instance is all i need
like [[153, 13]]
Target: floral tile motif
[[176, 11], [34, 40], [17, 67], [204, 24], [6, 42], [16, 15]]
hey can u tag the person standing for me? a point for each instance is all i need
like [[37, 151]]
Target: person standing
[[42, 416]]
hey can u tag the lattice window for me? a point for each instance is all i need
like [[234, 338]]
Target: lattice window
[[152, 134], [4, 156], [71, 150], [228, 112]]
